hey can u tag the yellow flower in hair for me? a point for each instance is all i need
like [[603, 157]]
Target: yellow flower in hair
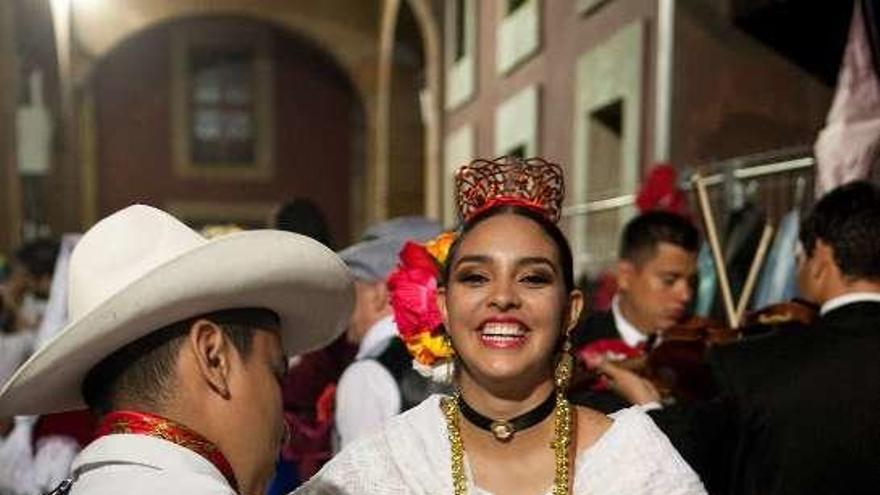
[[439, 246], [428, 348]]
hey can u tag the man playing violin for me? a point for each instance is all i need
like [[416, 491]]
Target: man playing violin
[[803, 406], [656, 266]]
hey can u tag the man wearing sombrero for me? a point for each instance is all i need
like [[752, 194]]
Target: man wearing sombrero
[[178, 344]]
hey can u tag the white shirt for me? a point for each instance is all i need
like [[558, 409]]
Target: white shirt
[[15, 348], [850, 298], [33, 470], [411, 455], [367, 394], [142, 465], [629, 333]]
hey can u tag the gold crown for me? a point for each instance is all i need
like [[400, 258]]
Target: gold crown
[[531, 182]]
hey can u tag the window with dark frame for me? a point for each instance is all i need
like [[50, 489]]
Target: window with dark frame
[[460, 30], [221, 102], [512, 5], [517, 151]]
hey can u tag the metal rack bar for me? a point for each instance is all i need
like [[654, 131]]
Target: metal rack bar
[[752, 172]]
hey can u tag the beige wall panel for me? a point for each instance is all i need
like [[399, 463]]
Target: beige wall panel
[[516, 123], [458, 150], [518, 35], [460, 77], [609, 74]]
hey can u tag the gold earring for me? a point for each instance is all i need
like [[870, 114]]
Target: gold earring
[[564, 365]]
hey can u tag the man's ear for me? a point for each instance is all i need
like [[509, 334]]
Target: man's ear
[[576, 303], [625, 271], [212, 353], [380, 297], [823, 264]]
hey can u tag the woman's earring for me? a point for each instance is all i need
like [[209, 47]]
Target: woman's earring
[[564, 365], [449, 368]]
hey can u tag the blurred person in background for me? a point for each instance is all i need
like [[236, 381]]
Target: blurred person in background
[[27, 288], [655, 271], [797, 408], [311, 381], [372, 389]]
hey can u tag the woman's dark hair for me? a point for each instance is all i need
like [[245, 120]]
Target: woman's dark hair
[[549, 228]]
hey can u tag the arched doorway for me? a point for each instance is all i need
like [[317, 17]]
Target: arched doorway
[[218, 118], [406, 149]]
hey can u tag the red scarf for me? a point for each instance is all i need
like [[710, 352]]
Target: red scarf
[[140, 423]]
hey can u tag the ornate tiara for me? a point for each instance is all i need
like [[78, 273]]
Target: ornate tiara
[[532, 182]]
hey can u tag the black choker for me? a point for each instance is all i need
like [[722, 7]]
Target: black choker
[[505, 429]]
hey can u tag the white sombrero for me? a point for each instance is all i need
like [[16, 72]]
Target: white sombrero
[[141, 269]]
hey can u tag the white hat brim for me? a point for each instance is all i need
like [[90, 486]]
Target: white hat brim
[[302, 281]]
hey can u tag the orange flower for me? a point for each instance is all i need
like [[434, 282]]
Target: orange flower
[[439, 246], [427, 348]]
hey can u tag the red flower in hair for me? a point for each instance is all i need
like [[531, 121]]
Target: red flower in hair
[[413, 288], [415, 256]]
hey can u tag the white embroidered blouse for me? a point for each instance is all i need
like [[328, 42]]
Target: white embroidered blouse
[[411, 455]]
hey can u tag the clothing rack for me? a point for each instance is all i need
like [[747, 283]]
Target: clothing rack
[[769, 170], [748, 172]]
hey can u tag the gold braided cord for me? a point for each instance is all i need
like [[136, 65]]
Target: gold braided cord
[[561, 444], [451, 412]]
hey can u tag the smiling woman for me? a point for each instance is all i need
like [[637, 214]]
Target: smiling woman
[[507, 302]]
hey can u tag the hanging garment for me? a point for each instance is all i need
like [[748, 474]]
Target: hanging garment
[[707, 284], [743, 234], [847, 147], [778, 281]]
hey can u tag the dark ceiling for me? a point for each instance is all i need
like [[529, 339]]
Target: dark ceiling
[[810, 33]]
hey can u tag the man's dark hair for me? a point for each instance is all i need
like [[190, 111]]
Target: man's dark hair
[[140, 371], [38, 256], [644, 233], [302, 216], [848, 220], [549, 228]]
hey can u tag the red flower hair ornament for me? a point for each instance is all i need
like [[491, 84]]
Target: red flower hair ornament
[[413, 289]]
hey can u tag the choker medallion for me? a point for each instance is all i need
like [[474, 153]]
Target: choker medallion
[[561, 445], [504, 429]]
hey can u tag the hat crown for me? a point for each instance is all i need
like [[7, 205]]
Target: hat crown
[[119, 250]]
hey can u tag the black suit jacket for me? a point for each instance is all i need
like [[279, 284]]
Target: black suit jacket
[[596, 326], [805, 406]]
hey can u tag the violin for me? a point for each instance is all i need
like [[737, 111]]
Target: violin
[[676, 362], [796, 312]]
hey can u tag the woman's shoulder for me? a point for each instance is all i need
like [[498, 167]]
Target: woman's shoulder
[[407, 446], [633, 453], [634, 429]]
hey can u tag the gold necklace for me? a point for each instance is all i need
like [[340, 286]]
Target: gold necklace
[[561, 443]]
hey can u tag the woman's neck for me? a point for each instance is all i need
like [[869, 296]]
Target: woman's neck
[[504, 401]]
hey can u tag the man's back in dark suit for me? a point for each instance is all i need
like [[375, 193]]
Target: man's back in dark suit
[[807, 406]]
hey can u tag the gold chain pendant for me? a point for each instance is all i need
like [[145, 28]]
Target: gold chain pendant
[[561, 444]]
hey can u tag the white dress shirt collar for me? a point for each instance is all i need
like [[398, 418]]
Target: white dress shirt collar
[[629, 333], [850, 298]]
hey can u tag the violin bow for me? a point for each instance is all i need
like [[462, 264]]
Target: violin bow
[[715, 246]]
